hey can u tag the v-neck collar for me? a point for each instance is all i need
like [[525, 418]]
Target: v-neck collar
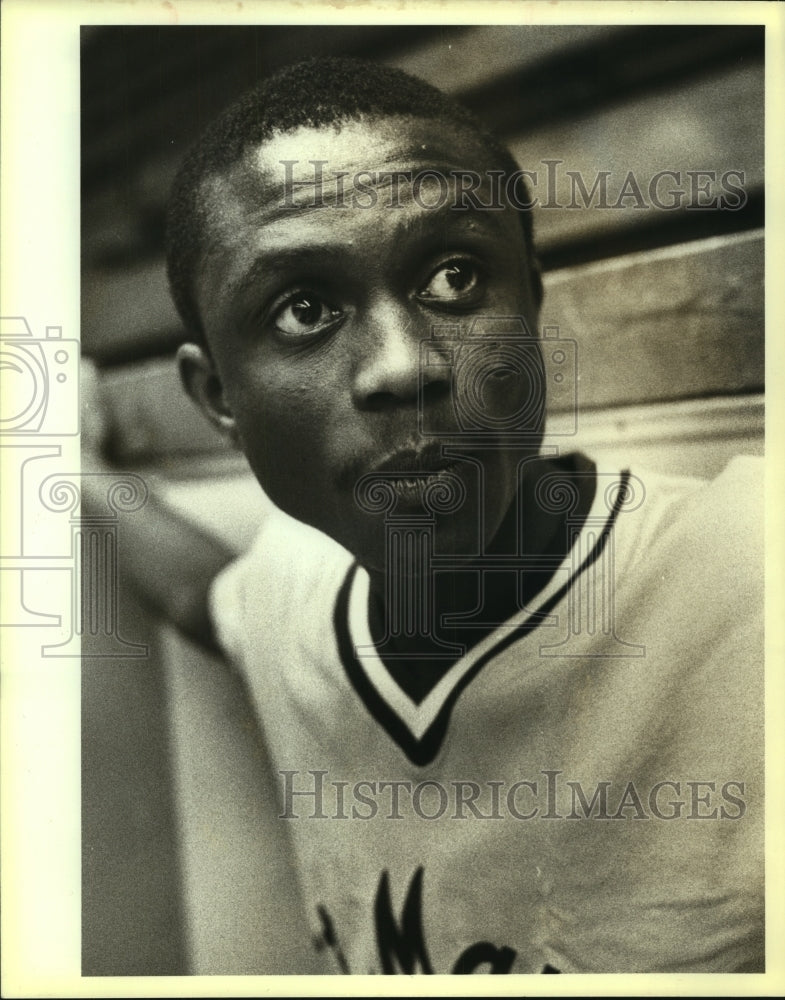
[[419, 728]]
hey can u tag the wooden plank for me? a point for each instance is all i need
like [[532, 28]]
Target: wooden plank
[[695, 437], [460, 64], [614, 67], [713, 123], [685, 321], [718, 418]]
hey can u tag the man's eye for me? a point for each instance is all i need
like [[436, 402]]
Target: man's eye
[[452, 282], [304, 315]]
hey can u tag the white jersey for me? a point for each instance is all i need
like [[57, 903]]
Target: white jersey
[[580, 792]]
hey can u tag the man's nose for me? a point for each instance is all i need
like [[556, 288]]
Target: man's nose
[[387, 369]]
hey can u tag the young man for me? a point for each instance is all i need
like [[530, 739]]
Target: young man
[[513, 699]]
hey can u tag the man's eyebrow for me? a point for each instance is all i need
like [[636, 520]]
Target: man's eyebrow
[[280, 261], [448, 212], [284, 259]]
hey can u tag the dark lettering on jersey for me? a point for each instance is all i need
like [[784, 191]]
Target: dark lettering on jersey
[[401, 944], [498, 960], [329, 938]]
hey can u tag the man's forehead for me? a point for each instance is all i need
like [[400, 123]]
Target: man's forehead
[[368, 141], [287, 166]]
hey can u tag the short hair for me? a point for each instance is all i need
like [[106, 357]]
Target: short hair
[[317, 92]]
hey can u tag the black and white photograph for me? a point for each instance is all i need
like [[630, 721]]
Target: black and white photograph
[[391, 499]]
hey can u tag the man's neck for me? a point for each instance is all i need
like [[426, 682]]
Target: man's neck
[[484, 595]]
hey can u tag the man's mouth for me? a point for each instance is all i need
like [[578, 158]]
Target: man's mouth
[[413, 462], [415, 490], [412, 472]]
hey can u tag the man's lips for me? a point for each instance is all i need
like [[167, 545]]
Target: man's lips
[[412, 473], [412, 461]]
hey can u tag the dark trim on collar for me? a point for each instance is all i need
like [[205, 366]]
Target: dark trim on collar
[[423, 751]]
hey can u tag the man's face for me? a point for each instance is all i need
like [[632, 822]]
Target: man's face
[[316, 295]]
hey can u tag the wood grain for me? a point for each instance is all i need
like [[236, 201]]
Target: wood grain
[[686, 321]]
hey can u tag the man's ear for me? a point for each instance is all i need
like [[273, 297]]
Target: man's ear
[[203, 384]]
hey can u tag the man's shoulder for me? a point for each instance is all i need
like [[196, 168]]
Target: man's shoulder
[[727, 509], [702, 534], [289, 576]]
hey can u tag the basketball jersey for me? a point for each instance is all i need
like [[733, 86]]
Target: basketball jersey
[[580, 792]]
